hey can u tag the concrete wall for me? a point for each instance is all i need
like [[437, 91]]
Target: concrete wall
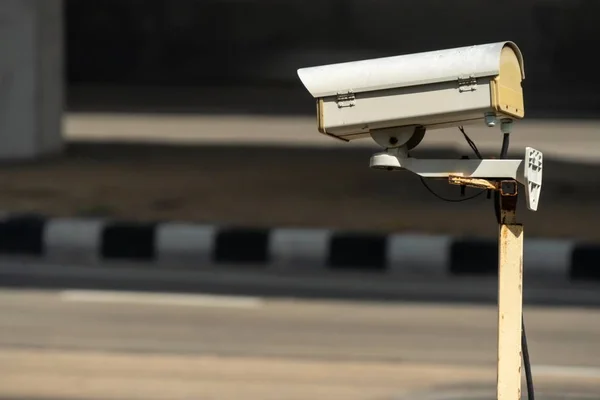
[[160, 40], [263, 42], [31, 78]]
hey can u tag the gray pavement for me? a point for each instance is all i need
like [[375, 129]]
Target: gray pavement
[[78, 344], [162, 323]]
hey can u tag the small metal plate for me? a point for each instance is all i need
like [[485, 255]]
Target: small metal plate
[[508, 188], [532, 173]]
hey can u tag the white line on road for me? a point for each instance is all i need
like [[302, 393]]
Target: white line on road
[[160, 299]]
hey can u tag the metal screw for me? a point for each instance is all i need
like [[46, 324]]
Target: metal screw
[[490, 119]]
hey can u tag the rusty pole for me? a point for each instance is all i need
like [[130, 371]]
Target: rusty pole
[[510, 295]]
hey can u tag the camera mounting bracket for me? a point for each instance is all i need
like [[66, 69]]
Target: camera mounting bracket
[[527, 171]]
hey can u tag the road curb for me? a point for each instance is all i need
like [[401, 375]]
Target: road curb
[[193, 246]]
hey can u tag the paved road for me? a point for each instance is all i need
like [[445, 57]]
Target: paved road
[[76, 344]]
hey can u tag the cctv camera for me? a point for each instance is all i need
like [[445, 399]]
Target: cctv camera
[[395, 100], [417, 92]]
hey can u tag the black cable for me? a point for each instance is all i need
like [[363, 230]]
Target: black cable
[[446, 199], [505, 143], [470, 142], [503, 154], [528, 375], [497, 207]]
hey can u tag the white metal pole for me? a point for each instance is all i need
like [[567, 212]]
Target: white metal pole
[[510, 301]]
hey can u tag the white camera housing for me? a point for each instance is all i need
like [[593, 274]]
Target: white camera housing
[[395, 100], [436, 89]]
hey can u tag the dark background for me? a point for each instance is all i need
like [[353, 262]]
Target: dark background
[[208, 43]]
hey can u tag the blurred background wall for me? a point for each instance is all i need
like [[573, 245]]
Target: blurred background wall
[[263, 42]]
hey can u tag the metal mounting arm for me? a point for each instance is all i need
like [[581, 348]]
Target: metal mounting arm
[[528, 171]]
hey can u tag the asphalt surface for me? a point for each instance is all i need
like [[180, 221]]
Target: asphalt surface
[[236, 334], [301, 283], [77, 344]]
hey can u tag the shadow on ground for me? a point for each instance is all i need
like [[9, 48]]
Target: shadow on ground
[[282, 186]]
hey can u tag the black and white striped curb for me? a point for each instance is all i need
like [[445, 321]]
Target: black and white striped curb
[[186, 245]]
